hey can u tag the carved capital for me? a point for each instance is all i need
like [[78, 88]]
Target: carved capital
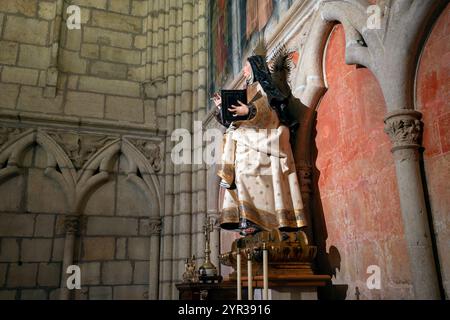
[[405, 129], [72, 224], [154, 226]]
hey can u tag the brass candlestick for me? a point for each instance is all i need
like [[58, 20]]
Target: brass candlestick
[[208, 271]]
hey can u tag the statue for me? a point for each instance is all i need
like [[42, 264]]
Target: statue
[[257, 169], [190, 274]]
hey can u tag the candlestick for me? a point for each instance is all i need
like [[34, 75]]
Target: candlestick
[[249, 277], [265, 273], [238, 271]]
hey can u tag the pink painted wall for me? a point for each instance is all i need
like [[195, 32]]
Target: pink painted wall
[[433, 96], [357, 181]]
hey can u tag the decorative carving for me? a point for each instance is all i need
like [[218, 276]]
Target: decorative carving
[[80, 147], [405, 129], [72, 224], [155, 226], [150, 150], [6, 134]]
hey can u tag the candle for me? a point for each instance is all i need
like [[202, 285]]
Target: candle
[[249, 277], [265, 273], [238, 271]]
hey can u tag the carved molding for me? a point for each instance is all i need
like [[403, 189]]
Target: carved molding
[[151, 150], [80, 147], [9, 133], [405, 129]]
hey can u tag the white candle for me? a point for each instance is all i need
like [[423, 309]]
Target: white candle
[[249, 277], [238, 271], [265, 273]]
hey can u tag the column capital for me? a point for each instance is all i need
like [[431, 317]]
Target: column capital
[[72, 224], [155, 226], [405, 128]]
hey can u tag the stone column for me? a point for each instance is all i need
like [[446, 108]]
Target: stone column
[[405, 130], [72, 227], [153, 275]]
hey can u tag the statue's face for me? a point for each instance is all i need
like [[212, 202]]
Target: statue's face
[[247, 71]]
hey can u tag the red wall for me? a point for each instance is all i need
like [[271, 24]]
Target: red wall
[[433, 96], [357, 182]]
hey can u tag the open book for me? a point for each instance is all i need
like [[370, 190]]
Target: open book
[[230, 98]]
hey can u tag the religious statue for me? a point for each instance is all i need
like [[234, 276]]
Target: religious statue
[[257, 168], [190, 274]]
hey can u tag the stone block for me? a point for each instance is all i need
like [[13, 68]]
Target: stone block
[[131, 201], [71, 39], [33, 294], [16, 225], [8, 294], [8, 53], [112, 226], [117, 273], [12, 193], [34, 56], [102, 201], [9, 250], [120, 6], [121, 248], [22, 275], [131, 293], [49, 274], [90, 51], [124, 109], [139, 8], [3, 269], [116, 87], [36, 250], [25, 7], [71, 62], [99, 4], [100, 293], [45, 225], [32, 99], [90, 273], [141, 270], [58, 249], [72, 82], [140, 42], [20, 75], [136, 73], [109, 70], [26, 30], [138, 248], [117, 21], [84, 104], [107, 37], [98, 249], [1, 22], [120, 55], [44, 194], [47, 10]]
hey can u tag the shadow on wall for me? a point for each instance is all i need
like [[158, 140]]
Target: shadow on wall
[[327, 262]]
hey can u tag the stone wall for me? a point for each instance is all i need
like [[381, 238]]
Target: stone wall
[[357, 190], [433, 93], [86, 120]]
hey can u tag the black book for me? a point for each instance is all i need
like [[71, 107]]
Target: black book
[[231, 98]]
